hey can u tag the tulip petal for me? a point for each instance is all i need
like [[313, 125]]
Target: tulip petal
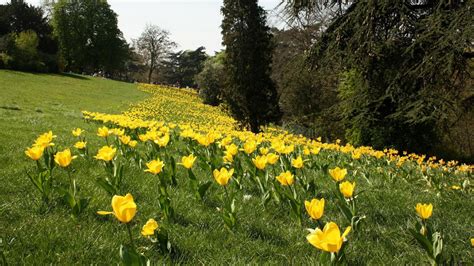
[[104, 212]]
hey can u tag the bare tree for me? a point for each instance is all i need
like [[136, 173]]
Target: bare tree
[[153, 45]]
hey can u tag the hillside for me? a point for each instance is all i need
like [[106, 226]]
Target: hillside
[[169, 123]]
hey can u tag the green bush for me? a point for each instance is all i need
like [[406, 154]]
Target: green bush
[[211, 80]]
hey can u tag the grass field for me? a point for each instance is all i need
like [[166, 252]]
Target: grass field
[[32, 104]]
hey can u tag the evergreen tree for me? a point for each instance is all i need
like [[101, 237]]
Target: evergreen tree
[[249, 93]]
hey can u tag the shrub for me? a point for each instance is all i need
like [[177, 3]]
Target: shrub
[[211, 80]]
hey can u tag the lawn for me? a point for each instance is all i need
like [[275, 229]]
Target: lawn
[[31, 104]]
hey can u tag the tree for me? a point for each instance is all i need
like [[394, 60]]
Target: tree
[[153, 45], [88, 35], [19, 18], [210, 80], [181, 67], [249, 92], [404, 68]]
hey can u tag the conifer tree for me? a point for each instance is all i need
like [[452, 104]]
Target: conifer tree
[[249, 93]]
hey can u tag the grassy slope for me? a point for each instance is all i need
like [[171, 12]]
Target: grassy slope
[[45, 102], [198, 235]]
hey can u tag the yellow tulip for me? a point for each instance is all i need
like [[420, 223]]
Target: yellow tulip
[[356, 155], [103, 132], [338, 174], [288, 149], [329, 239], [188, 161], [264, 151], [315, 208], [232, 149], [315, 150], [226, 141], [35, 152], [155, 167], [77, 132], [64, 158], [106, 153], [163, 141], [272, 158], [250, 146], [260, 162], [306, 151], [472, 242], [117, 131], [124, 208], [228, 157], [149, 228], [125, 139], [297, 163], [222, 177], [206, 140], [80, 145], [286, 178], [143, 137], [45, 140], [347, 189], [424, 210], [455, 187], [132, 143]]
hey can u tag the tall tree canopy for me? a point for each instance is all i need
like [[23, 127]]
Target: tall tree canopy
[[181, 67], [405, 70], [22, 24], [88, 35], [249, 93]]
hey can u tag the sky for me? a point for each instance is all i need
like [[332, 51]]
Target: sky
[[192, 23]]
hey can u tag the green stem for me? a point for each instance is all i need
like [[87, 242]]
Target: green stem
[[320, 224], [72, 182], [130, 235], [226, 193], [38, 165]]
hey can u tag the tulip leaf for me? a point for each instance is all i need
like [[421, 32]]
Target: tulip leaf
[[203, 188], [345, 211], [437, 245], [191, 175], [423, 241], [106, 185], [163, 241], [130, 257]]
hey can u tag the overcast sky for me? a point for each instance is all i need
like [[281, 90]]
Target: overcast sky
[[192, 23]]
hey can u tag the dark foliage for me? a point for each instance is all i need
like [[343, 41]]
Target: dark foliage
[[211, 80], [404, 68], [20, 21], [249, 93], [89, 38], [181, 67]]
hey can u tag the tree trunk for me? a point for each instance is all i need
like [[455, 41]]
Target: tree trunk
[[149, 75]]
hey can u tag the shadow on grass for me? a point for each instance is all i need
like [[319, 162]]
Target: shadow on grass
[[257, 233], [179, 256], [181, 220]]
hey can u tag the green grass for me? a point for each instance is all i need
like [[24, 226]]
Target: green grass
[[31, 104]]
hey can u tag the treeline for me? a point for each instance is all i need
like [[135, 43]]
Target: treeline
[[83, 37], [26, 39], [380, 73], [389, 74]]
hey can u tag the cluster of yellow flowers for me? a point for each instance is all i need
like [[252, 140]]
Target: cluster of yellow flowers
[[275, 161], [170, 107]]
